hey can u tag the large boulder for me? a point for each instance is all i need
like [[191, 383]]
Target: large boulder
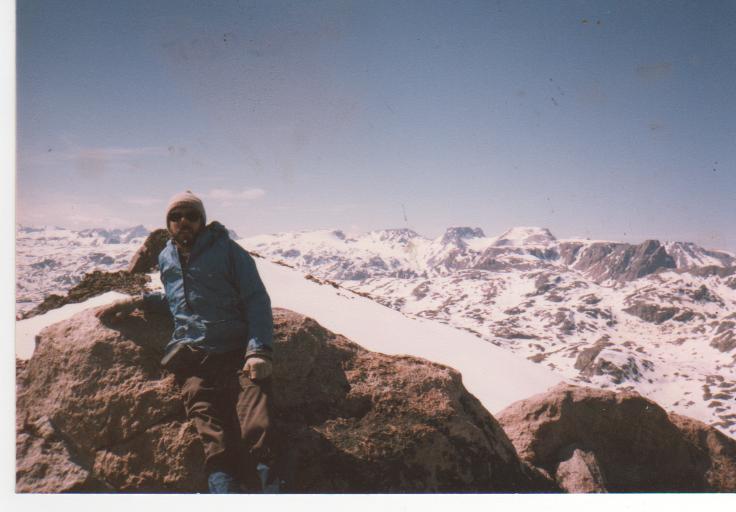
[[717, 452], [96, 413], [593, 440]]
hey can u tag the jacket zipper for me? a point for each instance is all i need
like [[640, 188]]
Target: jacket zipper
[[184, 279]]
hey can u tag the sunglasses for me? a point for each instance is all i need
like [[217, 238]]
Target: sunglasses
[[191, 216]]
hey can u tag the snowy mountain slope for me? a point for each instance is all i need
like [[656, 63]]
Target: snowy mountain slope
[[605, 313], [52, 260], [496, 377]]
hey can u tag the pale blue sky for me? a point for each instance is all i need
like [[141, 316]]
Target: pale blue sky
[[611, 120]]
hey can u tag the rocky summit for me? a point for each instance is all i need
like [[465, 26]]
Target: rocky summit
[[95, 413], [592, 440]]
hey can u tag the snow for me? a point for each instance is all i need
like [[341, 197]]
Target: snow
[[521, 236], [27, 330], [480, 243], [496, 377], [52, 260]]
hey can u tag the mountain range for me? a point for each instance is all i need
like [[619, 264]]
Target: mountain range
[[654, 317], [658, 318]]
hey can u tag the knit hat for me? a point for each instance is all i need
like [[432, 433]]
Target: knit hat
[[189, 200]]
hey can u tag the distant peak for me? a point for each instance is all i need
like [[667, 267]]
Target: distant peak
[[525, 235], [395, 234], [455, 234]]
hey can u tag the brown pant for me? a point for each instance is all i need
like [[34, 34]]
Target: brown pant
[[231, 412]]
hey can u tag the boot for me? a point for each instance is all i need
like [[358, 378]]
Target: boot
[[220, 482], [270, 482]]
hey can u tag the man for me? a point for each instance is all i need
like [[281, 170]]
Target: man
[[221, 347]]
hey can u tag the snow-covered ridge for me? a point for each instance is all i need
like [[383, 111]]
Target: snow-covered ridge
[[404, 252], [656, 317], [525, 236]]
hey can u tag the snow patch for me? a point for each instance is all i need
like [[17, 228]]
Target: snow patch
[[27, 330]]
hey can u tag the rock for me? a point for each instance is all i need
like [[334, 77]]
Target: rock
[[93, 284], [636, 445], [687, 315], [581, 473], [457, 235], [544, 283], [46, 465], [618, 261], [564, 320], [351, 420], [710, 270], [717, 452], [584, 361], [725, 338], [652, 312], [145, 260], [703, 294]]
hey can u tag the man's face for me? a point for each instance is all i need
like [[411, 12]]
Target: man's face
[[184, 225]]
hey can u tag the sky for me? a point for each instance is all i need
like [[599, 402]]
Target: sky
[[607, 120]]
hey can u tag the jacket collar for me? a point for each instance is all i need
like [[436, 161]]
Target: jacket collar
[[209, 235]]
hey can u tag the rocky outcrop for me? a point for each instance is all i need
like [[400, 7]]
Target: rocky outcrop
[[146, 258], [96, 413], [93, 284], [456, 235], [602, 261], [587, 356], [717, 451], [725, 336], [652, 313], [580, 473], [597, 440], [688, 255]]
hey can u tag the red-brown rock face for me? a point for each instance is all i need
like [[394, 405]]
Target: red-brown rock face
[[596, 440], [96, 413], [146, 258]]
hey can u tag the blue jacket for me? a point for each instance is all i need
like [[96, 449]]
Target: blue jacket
[[218, 301]]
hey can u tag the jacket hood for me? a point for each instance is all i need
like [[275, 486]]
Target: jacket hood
[[213, 232], [216, 229]]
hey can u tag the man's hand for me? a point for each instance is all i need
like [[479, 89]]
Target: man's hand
[[257, 368], [118, 310]]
